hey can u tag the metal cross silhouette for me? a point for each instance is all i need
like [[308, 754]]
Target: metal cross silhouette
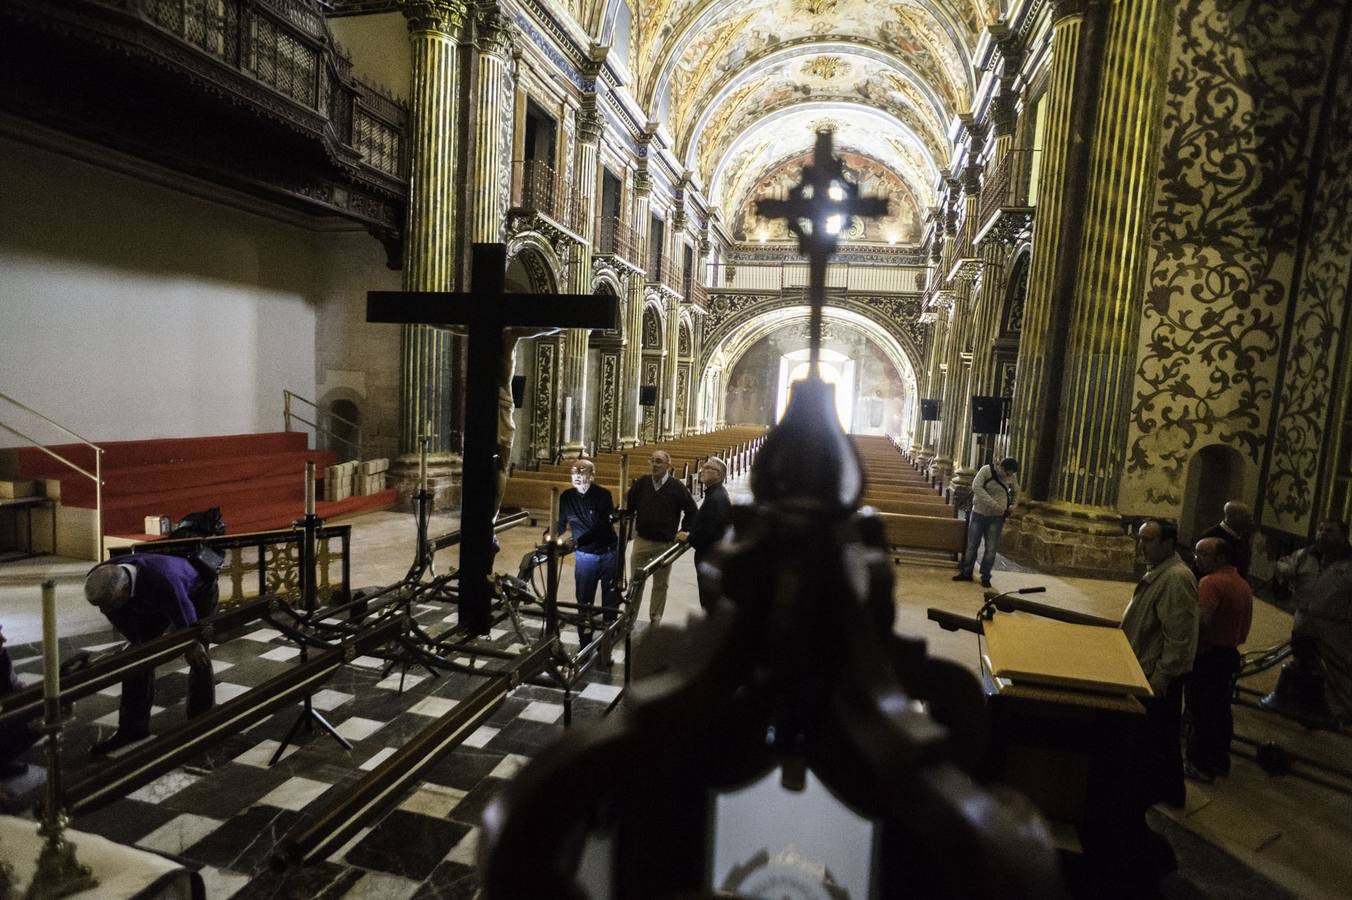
[[818, 208]]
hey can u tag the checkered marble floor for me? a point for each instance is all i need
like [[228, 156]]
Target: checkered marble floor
[[223, 813]]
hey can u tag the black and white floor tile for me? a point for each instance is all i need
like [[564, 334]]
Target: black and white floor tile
[[223, 813]]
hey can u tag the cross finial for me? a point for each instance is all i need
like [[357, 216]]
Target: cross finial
[[817, 210]]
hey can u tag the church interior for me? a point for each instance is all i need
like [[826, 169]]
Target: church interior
[[240, 236]]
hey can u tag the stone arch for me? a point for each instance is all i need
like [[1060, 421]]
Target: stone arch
[[532, 265], [1215, 475], [652, 326], [685, 341], [336, 405], [730, 343]]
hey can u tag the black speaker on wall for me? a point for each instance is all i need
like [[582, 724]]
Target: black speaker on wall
[[518, 391], [647, 395], [988, 415], [929, 410]]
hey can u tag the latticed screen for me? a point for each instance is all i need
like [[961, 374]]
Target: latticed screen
[[279, 60], [212, 25], [378, 143]]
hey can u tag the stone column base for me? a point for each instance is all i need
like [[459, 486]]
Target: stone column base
[[941, 468], [444, 479], [961, 486], [1065, 539]]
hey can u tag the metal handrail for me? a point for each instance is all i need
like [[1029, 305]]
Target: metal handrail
[[288, 415], [96, 476]]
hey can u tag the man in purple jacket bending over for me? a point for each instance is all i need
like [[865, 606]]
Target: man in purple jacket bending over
[[145, 595]]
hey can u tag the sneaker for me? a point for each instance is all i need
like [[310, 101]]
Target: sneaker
[[962, 577], [985, 581]]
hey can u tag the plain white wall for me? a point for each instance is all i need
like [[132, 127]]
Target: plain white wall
[[130, 310]]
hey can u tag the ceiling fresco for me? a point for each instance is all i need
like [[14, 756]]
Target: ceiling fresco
[[778, 136], [901, 226], [690, 44], [848, 78]]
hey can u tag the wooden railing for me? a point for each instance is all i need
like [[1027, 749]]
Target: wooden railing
[[765, 276], [1005, 183], [286, 45], [537, 189], [614, 237]]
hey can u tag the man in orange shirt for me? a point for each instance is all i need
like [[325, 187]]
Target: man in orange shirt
[[1226, 606]]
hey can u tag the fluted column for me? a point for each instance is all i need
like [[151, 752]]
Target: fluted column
[[671, 340], [631, 374], [493, 97], [1106, 313], [1070, 101], [588, 134]]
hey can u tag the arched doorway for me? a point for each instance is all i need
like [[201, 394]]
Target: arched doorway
[[1215, 476]]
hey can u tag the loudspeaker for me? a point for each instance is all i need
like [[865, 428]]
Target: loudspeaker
[[929, 410], [647, 395], [987, 415], [518, 391]]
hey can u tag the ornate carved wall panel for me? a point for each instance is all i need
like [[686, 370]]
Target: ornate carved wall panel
[[1244, 85], [897, 315], [607, 427], [652, 371], [682, 392], [542, 405]]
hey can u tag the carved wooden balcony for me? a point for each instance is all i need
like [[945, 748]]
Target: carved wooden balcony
[[252, 94], [613, 241], [1005, 212]]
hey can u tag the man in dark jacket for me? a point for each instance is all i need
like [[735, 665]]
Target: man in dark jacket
[[584, 511], [712, 521], [17, 737], [1235, 528], [143, 596], [661, 504]]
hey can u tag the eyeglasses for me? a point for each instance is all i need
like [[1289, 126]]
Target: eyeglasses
[[657, 459], [577, 471]]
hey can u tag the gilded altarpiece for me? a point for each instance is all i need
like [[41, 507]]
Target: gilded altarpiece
[[1244, 86]]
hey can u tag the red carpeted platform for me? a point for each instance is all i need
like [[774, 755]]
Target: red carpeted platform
[[258, 480]]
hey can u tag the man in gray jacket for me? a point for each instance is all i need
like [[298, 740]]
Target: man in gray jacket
[[1161, 625], [994, 493]]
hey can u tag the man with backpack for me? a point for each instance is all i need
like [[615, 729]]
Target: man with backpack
[[994, 494]]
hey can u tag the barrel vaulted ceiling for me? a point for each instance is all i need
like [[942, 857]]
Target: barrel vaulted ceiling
[[742, 85]]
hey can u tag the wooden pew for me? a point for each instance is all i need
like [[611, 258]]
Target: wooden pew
[[533, 493], [941, 510], [944, 534]]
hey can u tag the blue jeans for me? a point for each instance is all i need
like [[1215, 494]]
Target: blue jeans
[[589, 570], [979, 528]]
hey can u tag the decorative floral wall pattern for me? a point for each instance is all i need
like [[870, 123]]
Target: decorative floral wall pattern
[[1245, 78], [1309, 375]]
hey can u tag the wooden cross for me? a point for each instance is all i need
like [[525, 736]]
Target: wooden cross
[[817, 209], [486, 311]]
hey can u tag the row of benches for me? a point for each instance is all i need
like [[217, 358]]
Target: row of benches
[[531, 489], [915, 516]]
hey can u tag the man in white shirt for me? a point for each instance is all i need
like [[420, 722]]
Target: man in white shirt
[[994, 493]]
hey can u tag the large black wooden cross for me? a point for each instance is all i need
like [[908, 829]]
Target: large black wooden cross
[[486, 311], [818, 209]]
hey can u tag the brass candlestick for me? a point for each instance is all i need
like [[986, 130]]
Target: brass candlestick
[[59, 873]]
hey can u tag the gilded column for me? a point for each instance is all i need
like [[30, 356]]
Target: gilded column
[[426, 390], [1056, 233], [1106, 312], [631, 375], [583, 189], [1078, 529], [493, 96]]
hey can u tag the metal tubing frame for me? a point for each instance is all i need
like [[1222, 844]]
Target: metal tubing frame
[[146, 763], [26, 704], [288, 415], [97, 475], [335, 825]]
